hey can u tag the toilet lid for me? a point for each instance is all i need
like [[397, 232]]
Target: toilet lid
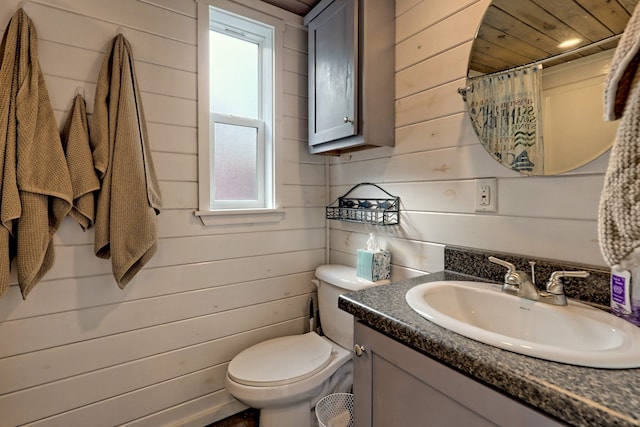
[[281, 360]]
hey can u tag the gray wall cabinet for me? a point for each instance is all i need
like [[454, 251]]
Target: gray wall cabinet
[[351, 75], [395, 385]]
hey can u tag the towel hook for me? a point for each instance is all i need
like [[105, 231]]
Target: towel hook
[[120, 30], [79, 91], [24, 5]]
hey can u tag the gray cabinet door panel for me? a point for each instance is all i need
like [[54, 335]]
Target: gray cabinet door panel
[[333, 73], [395, 385]]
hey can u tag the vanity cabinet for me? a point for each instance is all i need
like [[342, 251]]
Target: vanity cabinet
[[351, 75], [395, 385]]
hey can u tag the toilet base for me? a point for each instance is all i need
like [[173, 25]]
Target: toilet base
[[289, 416]]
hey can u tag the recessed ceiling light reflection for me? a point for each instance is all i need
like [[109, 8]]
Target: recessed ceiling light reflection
[[569, 43]]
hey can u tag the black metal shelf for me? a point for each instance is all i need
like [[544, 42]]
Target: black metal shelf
[[366, 210]]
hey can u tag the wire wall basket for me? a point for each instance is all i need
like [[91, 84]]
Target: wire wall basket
[[366, 210]]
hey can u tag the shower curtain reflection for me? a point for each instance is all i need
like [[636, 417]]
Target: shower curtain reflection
[[506, 112]]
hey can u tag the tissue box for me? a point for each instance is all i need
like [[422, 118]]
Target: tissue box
[[373, 265]]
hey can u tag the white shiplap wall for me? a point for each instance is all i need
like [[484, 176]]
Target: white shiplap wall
[[81, 352], [437, 157]]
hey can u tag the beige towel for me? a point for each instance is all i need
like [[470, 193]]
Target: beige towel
[[129, 199], [36, 187], [75, 139], [619, 210]]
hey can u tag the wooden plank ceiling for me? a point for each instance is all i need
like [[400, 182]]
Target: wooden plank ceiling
[[299, 7], [517, 32]]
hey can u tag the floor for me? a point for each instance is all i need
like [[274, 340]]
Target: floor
[[248, 418]]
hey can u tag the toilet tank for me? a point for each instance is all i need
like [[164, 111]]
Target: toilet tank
[[334, 280]]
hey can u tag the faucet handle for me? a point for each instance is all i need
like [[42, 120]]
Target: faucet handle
[[503, 263], [512, 278], [555, 286]]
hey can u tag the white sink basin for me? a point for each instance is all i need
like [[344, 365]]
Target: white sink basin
[[576, 334]]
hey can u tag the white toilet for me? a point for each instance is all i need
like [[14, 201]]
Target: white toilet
[[285, 377]]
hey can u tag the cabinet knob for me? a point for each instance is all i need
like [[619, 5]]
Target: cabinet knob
[[347, 119], [358, 350]]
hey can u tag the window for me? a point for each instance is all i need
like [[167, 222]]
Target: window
[[237, 63]]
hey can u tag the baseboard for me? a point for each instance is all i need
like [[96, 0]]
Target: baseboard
[[198, 412], [212, 415]]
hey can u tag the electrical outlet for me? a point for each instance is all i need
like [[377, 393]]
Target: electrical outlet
[[486, 195]]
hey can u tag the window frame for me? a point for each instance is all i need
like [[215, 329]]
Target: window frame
[[247, 214]]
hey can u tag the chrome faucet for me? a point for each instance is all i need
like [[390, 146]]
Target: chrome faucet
[[517, 282]]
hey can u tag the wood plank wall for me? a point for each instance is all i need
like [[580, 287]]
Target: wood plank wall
[[437, 157], [81, 352]]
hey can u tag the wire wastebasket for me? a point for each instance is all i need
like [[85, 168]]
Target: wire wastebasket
[[335, 410]]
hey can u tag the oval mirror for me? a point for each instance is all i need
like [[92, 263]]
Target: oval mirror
[[570, 43]]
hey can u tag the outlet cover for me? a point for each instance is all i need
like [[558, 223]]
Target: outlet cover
[[486, 195]]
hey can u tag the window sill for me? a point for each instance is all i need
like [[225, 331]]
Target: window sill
[[240, 216]]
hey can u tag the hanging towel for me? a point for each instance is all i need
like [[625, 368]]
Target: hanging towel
[[75, 140], [619, 210], [36, 187], [129, 199]]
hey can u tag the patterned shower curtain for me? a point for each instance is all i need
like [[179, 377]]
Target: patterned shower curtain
[[506, 112]]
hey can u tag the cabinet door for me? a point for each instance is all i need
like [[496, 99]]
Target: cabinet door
[[395, 385], [333, 71]]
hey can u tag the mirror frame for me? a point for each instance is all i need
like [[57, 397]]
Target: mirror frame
[[571, 57]]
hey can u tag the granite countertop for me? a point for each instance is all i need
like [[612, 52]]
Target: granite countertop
[[576, 395]]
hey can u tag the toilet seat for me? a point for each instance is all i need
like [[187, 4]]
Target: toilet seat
[[281, 361]]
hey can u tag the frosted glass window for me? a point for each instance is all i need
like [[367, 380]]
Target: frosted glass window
[[241, 101], [235, 162], [234, 76]]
